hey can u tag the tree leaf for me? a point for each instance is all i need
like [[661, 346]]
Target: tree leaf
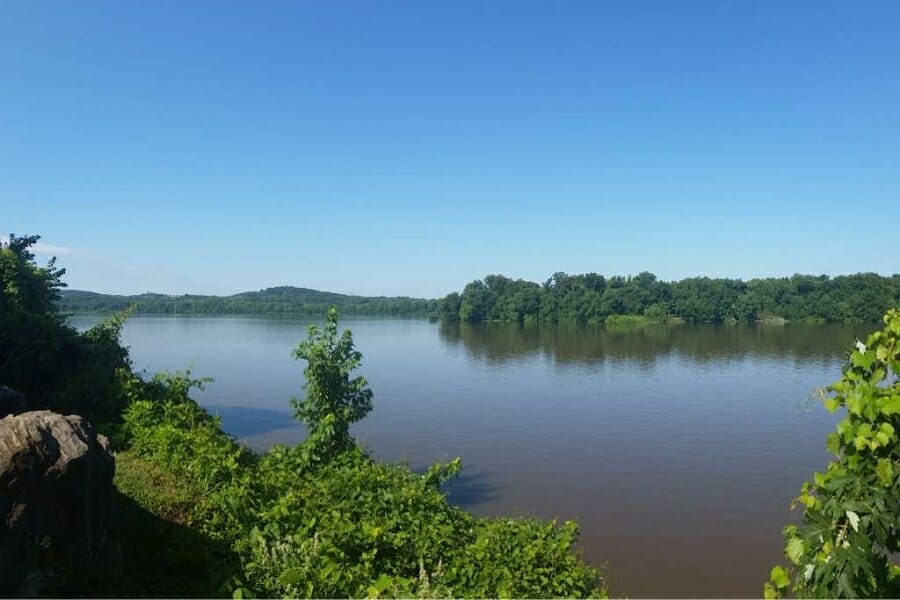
[[291, 577]]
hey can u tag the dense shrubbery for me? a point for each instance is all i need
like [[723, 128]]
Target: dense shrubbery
[[322, 519], [848, 540], [592, 298], [163, 424]]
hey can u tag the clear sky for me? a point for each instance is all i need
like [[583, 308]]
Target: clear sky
[[410, 147]]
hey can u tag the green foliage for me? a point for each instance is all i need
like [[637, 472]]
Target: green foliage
[[24, 286], [587, 298], [333, 400], [40, 356], [448, 307], [271, 301], [164, 424], [356, 527], [440, 473], [629, 320], [525, 558], [657, 311], [848, 539], [591, 298], [338, 530]]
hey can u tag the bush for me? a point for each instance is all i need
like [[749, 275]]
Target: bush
[[333, 400], [657, 312], [167, 426], [337, 530], [522, 558]]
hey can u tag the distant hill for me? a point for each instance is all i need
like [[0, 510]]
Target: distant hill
[[276, 300]]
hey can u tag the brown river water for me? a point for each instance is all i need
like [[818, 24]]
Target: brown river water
[[676, 448]]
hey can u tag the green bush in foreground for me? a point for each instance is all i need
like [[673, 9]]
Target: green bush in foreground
[[849, 538], [322, 519], [333, 400]]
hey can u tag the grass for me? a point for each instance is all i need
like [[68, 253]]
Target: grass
[[164, 554], [154, 489], [639, 320], [629, 320]]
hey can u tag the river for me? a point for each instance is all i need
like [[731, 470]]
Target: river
[[676, 448]]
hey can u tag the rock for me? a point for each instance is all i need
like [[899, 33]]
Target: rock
[[11, 402], [56, 503]]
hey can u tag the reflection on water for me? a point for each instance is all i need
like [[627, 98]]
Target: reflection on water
[[499, 343], [678, 449]]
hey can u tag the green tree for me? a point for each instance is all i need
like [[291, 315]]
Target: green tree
[[475, 303], [51, 363], [448, 307], [333, 399], [24, 286], [847, 542]]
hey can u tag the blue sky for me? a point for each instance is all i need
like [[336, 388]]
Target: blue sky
[[410, 147]]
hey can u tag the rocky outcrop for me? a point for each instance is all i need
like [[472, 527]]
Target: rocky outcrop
[[11, 402], [56, 502]]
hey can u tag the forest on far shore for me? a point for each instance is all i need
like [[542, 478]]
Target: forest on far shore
[[586, 298], [593, 298], [283, 300]]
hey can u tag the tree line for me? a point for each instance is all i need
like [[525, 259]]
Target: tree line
[[585, 298], [593, 298], [283, 300]]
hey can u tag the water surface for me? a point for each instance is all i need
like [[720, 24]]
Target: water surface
[[677, 449]]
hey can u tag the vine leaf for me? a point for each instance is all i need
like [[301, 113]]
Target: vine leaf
[[795, 550], [854, 520]]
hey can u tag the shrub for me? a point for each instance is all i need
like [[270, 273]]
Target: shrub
[[333, 400], [848, 538], [167, 426]]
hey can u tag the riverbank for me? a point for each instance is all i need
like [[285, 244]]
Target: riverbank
[[277, 525]]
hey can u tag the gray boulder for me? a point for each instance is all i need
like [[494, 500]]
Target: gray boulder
[[11, 402], [56, 503]]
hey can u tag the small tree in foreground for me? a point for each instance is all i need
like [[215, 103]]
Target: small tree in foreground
[[850, 534], [333, 400]]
